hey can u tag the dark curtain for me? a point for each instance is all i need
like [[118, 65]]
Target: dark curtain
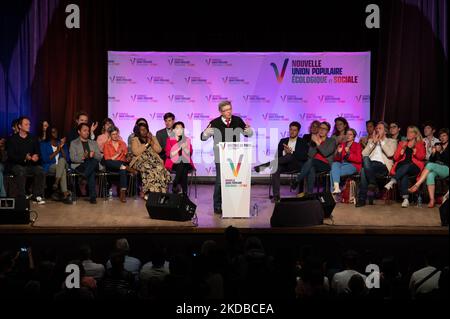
[[57, 71], [412, 80]]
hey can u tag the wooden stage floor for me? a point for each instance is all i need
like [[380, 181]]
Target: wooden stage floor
[[132, 217]]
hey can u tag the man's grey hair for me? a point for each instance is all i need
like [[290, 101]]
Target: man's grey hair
[[224, 103]]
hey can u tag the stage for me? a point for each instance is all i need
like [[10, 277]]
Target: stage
[[112, 216]]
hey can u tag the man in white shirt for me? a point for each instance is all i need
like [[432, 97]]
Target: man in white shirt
[[130, 264], [340, 281], [429, 139], [292, 153], [92, 269], [377, 160]]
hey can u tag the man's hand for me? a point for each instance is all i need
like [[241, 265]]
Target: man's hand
[[94, 127], [86, 155], [347, 149], [287, 149], [63, 141], [209, 130], [340, 148], [91, 154], [28, 157], [35, 157]]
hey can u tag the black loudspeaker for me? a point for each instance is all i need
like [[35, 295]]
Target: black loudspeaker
[[326, 199], [14, 210], [443, 212], [291, 212], [309, 210], [167, 206]]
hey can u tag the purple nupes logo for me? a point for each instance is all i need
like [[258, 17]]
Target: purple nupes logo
[[112, 78], [278, 75], [265, 116], [170, 61], [115, 115]]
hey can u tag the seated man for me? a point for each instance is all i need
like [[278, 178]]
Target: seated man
[[320, 156], [24, 157], [292, 153], [377, 160], [85, 156]]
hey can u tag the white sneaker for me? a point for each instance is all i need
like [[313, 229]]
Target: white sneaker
[[389, 185], [40, 200], [336, 190], [405, 203]]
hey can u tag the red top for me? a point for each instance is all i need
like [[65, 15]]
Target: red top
[[320, 157], [170, 160], [109, 151], [355, 156], [417, 158]]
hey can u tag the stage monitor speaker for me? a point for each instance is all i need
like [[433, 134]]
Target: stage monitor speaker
[[292, 212], [14, 210], [326, 199], [167, 206], [309, 210]]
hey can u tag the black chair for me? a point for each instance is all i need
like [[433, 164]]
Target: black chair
[[192, 180], [292, 178]]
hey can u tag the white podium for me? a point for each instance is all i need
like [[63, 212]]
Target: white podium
[[235, 176]]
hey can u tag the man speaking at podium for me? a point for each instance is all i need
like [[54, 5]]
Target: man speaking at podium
[[225, 128]]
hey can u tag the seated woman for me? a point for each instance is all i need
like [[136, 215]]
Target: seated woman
[[340, 130], [347, 160], [105, 136], [135, 132], [145, 149], [55, 158], [320, 156], [179, 158], [115, 154], [437, 166], [409, 161]]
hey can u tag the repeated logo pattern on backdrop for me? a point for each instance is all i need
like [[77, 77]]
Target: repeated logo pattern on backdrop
[[268, 90]]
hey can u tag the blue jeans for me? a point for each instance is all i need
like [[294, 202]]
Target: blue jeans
[[217, 197], [2, 186], [369, 174], [339, 169], [309, 170], [114, 166], [88, 169], [402, 174]]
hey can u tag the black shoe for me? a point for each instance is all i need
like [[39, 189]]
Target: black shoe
[[370, 200], [372, 188], [257, 169], [218, 211], [276, 199], [93, 200], [360, 203], [68, 200]]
